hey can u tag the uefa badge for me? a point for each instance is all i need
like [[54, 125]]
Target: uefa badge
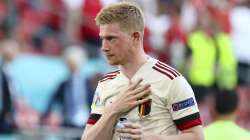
[[144, 109]]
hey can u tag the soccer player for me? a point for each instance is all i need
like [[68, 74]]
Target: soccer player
[[154, 98]]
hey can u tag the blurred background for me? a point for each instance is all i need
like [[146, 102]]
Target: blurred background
[[51, 63]]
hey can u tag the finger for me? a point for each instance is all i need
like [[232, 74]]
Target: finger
[[130, 136], [142, 94], [129, 131], [135, 84], [142, 101], [132, 125], [140, 89], [130, 128]]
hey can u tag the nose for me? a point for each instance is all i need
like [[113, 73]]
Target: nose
[[105, 46]]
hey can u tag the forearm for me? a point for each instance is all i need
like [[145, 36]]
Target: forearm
[[198, 135], [103, 129], [185, 136]]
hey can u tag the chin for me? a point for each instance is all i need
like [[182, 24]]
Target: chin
[[113, 63]]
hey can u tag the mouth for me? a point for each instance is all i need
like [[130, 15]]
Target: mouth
[[109, 55]]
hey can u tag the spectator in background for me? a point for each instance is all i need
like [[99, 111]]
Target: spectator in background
[[201, 56], [3, 20], [6, 110], [48, 43], [211, 62], [157, 24], [34, 17], [89, 31], [240, 19], [176, 36], [220, 11], [25, 116], [8, 52], [224, 128], [73, 96]]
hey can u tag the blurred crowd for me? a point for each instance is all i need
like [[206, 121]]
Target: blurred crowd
[[51, 63]]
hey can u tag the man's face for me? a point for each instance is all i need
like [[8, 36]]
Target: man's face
[[116, 44]]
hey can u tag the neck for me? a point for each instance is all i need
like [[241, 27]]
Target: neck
[[130, 68], [226, 117]]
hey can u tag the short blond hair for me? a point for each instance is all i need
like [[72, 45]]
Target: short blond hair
[[129, 17]]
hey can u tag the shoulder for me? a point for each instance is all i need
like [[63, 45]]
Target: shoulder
[[109, 76], [165, 71]]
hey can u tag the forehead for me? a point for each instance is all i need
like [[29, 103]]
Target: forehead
[[110, 29]]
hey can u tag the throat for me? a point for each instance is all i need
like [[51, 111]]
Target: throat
[[130, 69]]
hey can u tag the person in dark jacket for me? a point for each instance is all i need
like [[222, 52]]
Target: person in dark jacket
[[73, 96], [6, 112], [8, 51]]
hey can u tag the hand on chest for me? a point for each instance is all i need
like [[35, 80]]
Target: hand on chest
[[111, 95]]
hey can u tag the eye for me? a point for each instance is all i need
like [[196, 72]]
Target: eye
[[111, 39]]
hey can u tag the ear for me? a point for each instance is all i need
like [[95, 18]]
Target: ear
[[136, 36]]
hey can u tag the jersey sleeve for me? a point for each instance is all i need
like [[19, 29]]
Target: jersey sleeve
[[97, 107], [182, 104]]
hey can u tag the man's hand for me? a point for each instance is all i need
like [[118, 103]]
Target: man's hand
[[134, 131], [131, 131], [129, 98]]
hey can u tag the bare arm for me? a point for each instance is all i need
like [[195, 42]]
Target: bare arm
[[127, 100], [134, 132], [194, 133], [102, 130]]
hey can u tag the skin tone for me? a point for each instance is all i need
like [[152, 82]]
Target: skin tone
[[126, 50], [122, 48]]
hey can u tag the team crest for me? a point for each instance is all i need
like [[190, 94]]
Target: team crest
[[144, 109]]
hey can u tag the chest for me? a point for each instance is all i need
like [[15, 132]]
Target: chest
[[158, 97]]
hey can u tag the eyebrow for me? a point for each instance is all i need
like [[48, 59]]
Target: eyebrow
[[108, 36]]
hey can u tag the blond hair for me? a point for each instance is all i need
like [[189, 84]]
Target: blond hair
[[128, 16]]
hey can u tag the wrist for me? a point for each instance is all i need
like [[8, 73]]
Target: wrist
[[111, 114]]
